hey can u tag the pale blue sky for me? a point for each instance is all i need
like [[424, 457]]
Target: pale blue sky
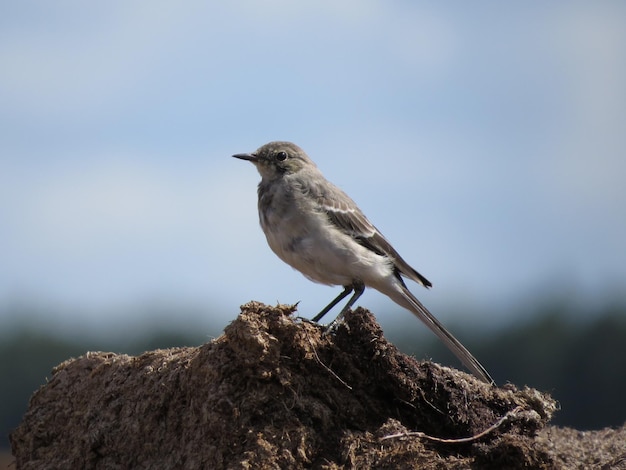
[[486, 140]]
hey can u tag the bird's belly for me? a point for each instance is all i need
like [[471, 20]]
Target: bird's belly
[[326, 255]]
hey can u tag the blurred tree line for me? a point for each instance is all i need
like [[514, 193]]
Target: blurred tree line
[[579, 359]]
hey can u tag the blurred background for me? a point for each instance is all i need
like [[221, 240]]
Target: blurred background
[[486, 140]]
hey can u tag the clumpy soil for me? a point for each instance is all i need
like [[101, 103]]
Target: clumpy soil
[[278, 392]]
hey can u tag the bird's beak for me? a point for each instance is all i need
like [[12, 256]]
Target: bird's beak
[[247, 156]]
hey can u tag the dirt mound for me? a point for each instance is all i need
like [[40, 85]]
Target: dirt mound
[[277, 392]]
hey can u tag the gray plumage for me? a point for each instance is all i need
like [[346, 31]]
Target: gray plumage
[[314, 226]]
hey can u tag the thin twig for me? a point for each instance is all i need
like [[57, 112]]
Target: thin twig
[[461, 440], [325, 366]]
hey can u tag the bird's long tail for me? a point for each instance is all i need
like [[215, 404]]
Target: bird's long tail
[[403, 297]]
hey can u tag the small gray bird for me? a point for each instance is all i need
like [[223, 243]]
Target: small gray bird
[[314, 227]]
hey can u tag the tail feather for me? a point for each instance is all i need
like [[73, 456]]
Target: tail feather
[[402, 296]]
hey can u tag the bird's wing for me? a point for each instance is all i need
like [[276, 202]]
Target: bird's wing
[[347, 217]]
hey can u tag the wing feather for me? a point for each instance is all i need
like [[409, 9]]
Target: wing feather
[[344, 214]]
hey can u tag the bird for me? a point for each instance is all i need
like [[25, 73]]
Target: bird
[[317, 229]]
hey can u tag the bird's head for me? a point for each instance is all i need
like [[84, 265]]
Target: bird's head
[[277, 159]]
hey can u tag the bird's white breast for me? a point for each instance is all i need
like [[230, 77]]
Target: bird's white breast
[[300, 234]]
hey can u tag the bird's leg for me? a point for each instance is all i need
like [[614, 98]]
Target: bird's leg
[[346, 291], [359, 288]]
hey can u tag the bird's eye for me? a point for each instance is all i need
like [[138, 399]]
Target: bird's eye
[[281, 156]]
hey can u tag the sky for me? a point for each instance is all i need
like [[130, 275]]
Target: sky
[[487, 141]]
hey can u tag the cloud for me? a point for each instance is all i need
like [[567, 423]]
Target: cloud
[[491, 131], [77, 58], [589, 161]]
